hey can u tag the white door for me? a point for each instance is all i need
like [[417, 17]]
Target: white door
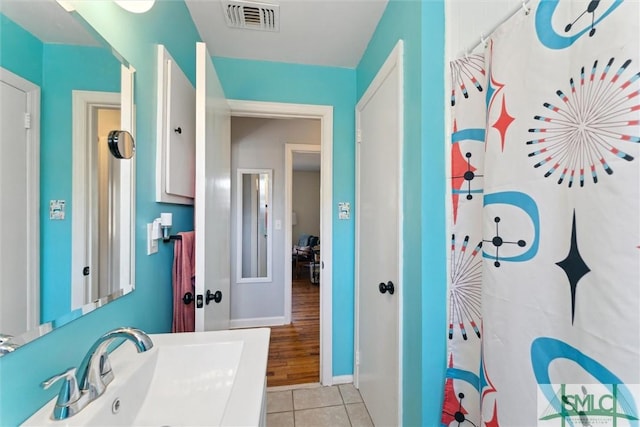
[[19, 202], [378, 243], [213, 197]]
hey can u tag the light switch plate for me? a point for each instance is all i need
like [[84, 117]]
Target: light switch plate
[[152, 244], [344, 210]]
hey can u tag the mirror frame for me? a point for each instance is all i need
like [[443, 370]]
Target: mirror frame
[[239, 278], [121, 144]]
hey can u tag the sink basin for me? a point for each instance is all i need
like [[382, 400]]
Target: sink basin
[[212, 378]]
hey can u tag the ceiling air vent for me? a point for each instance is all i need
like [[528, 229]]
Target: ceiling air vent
[[252, 15]]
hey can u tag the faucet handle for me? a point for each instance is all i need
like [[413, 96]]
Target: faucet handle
[[106, 373], [69, 392]]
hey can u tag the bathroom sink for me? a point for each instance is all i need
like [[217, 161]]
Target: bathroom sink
[[203, 378]]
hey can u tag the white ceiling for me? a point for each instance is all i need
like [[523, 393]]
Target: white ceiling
[[318, 32], [48, 21]]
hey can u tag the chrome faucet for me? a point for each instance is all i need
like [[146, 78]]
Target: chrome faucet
[[85, 384], [5, 337], [6, 346]]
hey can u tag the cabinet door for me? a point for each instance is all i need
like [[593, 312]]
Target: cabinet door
[[175, 164]]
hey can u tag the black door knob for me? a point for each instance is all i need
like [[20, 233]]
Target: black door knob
[[387, 288], [187, 298], [217, 296]]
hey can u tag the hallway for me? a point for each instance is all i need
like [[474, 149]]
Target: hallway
[[294, 395], [294, 350]]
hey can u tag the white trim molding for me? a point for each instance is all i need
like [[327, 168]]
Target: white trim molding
[[256, 322], [343, 379], [83, 105], [289, 150]]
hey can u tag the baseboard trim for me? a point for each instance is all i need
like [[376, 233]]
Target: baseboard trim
[[256, 322], [343, 379], [294, 387]]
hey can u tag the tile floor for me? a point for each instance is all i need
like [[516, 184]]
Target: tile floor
[[316, 406]]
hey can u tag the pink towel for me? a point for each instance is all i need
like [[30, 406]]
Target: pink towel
[[183, 276]]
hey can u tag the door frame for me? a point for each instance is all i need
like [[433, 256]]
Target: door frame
[[84, 104], [277, 110], [289, 150], [32, 286], [394, 60]]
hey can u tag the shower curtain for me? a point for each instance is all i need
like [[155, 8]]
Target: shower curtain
[[544, 291]]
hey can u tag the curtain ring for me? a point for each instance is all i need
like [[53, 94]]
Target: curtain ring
[[525, 8]]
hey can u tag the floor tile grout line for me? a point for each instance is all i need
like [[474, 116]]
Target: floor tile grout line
[[341, 396], [366, 409], [318, 407], [322, 407], [348, 416], [344, 405]]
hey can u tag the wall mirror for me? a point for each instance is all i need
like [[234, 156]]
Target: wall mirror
[[76, 250], [254, 216]]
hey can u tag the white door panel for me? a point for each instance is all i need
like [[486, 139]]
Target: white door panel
[[180, 146], [19, 195], [378, 246], [213, 195]]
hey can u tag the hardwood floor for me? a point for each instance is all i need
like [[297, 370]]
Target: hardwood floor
[[294, 350]]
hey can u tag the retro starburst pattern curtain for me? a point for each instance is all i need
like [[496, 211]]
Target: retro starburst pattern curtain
[[545, 217]]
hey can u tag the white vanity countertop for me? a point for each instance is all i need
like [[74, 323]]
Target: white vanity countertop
[[198, 378]]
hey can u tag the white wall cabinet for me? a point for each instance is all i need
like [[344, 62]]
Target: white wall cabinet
[[175, 152]]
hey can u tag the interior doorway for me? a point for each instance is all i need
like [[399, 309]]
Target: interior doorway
[[325, 115], [96, 174], [104, 280], [305, 213], [294, 353]]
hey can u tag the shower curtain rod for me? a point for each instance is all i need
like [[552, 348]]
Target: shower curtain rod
[[483, 39]]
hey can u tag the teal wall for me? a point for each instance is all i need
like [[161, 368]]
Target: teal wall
[[434, 239], [20, 51], [57, 69], [420, 24], [304, 84], [149, 306]]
